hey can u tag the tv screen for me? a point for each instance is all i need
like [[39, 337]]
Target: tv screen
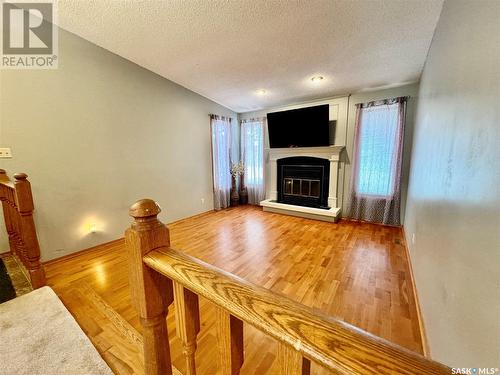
[[303, 127]]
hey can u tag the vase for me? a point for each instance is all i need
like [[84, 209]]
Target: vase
[[235, 197], [243, 190]]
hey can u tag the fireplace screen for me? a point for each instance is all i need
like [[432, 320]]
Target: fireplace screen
[[301, 187], [303, 181]]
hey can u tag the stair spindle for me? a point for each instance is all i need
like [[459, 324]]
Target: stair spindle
[[291, 361], [6, 206], [187, 318], [13, 215], [230, 342]]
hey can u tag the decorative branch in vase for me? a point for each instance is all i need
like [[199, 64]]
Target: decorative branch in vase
[[236, 170]]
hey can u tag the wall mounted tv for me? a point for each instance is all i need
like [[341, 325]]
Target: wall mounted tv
[[303, 127]]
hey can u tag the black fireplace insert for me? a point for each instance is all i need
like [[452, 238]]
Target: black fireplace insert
[[303, 181]]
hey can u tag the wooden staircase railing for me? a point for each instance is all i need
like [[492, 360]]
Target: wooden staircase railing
[[17, 203], [160, 276]]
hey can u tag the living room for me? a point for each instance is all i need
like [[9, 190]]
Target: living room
[[340, 154]]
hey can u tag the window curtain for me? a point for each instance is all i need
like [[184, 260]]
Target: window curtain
[[221, 140], [252, 155], [376, 174]]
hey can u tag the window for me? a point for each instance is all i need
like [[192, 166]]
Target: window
[[378, 146], [376, 174], [221, 140], [252, 147]]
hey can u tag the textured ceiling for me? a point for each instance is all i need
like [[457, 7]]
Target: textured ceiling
[[226, 50]]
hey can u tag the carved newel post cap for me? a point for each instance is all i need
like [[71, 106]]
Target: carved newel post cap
[[144, 208], [2, 171], [20, 176]]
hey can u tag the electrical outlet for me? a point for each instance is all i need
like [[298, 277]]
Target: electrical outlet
[[202, 200], [413, 238], [5, 152]]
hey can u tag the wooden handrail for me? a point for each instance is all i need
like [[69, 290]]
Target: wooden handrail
[[18, 207], [303, 334]]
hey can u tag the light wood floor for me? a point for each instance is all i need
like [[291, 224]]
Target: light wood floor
[[357, 272]]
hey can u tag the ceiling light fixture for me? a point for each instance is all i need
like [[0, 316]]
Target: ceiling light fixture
[[317, 79], [261, 92]]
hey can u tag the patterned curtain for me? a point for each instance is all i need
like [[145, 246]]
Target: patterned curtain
[[252, 154], [221, 141], [378, 148]]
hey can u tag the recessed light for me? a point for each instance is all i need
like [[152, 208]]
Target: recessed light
[[317, 79], [261, 92]]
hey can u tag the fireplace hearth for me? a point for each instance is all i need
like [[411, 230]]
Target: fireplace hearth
[[303, 181]]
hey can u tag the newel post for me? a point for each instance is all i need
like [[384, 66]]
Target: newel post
[[24, 202], [151, 292]]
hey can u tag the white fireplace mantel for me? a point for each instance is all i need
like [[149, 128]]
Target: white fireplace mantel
[[331, 153], [327, 152]]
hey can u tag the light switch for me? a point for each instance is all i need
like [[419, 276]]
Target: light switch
[[5, 152]]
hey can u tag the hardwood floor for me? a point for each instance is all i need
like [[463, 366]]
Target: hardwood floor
[[355, 271]]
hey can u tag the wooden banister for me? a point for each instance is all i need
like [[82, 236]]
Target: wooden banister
[[18, 207], [303, 334]]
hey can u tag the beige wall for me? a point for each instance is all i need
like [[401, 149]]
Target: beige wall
[[96, 135], [453, 205]]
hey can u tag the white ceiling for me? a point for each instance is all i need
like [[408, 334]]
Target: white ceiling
[[226, 50]]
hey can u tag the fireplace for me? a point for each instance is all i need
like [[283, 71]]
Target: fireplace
[[303, 181]]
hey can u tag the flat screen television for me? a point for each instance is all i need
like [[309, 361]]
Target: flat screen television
[[303, 127]]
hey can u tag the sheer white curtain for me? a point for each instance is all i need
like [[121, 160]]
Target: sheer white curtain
[[252, 150], [376, 175], [221, 141]]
